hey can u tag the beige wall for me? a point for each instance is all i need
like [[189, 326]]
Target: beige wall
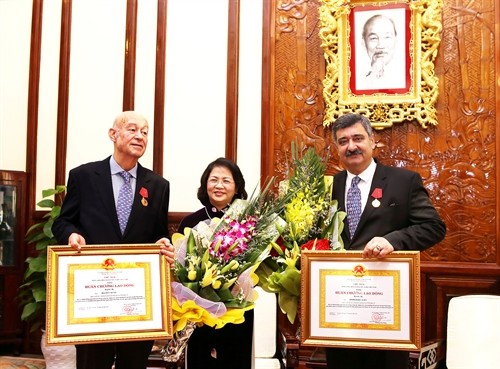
[[195, 87]]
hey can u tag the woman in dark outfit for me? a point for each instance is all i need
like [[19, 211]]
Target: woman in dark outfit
[[229, 347]]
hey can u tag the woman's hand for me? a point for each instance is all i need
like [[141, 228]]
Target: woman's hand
[[166, 249]]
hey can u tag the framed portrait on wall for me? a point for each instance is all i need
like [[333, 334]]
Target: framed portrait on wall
[[380, 60], [380, 41]]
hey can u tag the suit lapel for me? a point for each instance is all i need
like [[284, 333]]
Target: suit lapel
[[379, 181], [339, 194], [339, 188], [137, 206]]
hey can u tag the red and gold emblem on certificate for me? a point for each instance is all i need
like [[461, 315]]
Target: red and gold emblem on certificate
[[358, 270], [108, 264]]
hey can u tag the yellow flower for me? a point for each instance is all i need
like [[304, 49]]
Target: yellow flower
[[310, 214], [300, 215], [291, 256], [209, 276], [190, 311], [232, 265], [192, 275], [229, 283], [193, 261]]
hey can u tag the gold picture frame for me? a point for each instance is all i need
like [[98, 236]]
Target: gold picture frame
[[348, 301], [410, 93], [108, 293]]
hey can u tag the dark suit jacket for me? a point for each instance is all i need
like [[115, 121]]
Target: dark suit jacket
[[89, 207], [405, 217]]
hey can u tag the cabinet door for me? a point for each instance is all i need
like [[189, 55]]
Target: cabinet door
[[12, 229]]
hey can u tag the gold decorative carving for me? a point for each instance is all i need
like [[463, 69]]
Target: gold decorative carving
[[383, 107]]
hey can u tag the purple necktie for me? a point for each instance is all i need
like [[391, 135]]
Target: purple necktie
[[124, 203], [353, 205]]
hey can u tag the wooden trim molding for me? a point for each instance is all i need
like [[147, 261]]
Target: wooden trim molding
[[233, 56], [497, 125], [130, 56], [174, 219], [33, 93], [482, 269], [159, 109], [63, 93], [267, 120]]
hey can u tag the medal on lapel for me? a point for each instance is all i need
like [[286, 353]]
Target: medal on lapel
[[377, 195], [144, 193]]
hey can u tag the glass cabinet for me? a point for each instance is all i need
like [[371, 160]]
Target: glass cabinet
[[12, 255]]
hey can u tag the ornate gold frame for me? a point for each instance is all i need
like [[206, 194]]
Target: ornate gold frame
[[107, 293], [339, 292], [383, 109]]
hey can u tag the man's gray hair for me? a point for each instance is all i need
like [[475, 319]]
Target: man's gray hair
[[372, 19]]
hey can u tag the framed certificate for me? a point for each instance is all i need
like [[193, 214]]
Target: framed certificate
[[348, 301], [107, 293]]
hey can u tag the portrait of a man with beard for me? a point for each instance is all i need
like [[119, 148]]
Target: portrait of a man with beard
[[384, 62]]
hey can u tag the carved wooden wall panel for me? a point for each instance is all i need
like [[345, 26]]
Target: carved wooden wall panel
[[457, 159], [298, 81], [464, 149]]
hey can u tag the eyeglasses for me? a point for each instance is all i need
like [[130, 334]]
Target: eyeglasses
[[226, 182]]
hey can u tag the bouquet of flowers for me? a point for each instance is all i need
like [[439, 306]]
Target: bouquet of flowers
[[215, 264], [313, 221]]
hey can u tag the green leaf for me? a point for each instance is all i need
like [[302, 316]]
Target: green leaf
[[209, 294], [47, 229], [193, 286], [32, 293], [182, 274], [289, 280], [41, 245], [54, 213], [288, 305], [40, 295], [225, 294], [237, 304], [191, 244], [46, 203], [33, 228], [29, 310], [37, 237], [38, 264]]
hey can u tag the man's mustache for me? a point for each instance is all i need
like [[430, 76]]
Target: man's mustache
[[354, 152], [379, 55]]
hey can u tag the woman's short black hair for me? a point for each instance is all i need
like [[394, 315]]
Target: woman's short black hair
[[239, 181]]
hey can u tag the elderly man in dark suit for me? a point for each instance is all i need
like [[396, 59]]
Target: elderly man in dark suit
[[89, 215], [388, 209]]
